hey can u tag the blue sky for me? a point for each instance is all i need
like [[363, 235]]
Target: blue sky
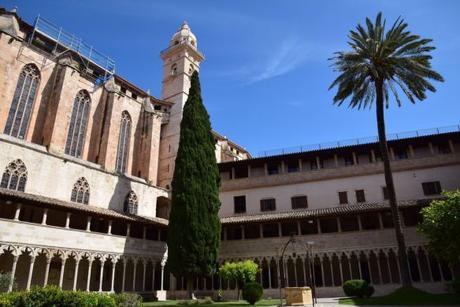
[[266, 75]]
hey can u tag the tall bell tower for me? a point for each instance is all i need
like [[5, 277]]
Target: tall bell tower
[[180, 60]]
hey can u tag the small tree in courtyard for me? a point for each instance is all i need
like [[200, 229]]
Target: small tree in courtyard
[[441, 226], [240, 272], [194, 226], [381, 63]]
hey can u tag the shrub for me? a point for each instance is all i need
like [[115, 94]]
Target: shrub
[[127, 299], [252, 292], [456, 285], [54, 296], [4, 281], [358, 287]]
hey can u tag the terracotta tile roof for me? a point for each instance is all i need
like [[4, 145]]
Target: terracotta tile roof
[[309, 213], [22, 197]]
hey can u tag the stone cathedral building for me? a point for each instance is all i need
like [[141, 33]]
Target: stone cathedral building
[[86, 160]]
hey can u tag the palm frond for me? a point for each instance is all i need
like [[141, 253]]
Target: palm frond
[[398, 58]]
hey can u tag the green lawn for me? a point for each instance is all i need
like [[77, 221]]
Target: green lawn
[[216, 304], [406, 296]]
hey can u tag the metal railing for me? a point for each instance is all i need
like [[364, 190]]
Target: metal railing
[[70, 41], [359, 141]]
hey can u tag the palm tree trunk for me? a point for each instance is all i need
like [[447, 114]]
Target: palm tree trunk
[[402, 253]]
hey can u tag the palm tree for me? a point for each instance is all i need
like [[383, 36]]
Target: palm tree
[[378, 64]]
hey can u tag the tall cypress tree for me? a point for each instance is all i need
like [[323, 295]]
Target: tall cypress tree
[[194, 225]]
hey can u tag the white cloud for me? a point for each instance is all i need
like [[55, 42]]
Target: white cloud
[[290, 54]]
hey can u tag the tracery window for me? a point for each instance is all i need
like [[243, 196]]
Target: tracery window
[[123, 142], [15, 176], [23, 100], [130, 205], [80, 191], [78, 123]]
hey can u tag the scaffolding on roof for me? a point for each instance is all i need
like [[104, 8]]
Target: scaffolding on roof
[[68, 41]]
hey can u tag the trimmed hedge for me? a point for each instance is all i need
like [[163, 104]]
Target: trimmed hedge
[[358, 287], [54, 296], [252, 292]]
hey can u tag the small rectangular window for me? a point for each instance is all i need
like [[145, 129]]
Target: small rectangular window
[[299, 202], [272, 168], [268, 204], [343, 198], [444, 148], [385, 193], [349, 160], [360, 197], [431, 188], [292, 166], [134, 96], [400, 154], [239, 204]]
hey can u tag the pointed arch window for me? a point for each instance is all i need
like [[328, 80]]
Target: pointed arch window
[[80, 191], [15, 176], [130, 205], [78, 123], [23, 100], [123, 142]]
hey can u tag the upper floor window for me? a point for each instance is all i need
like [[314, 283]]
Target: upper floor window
[[292, 166], [78, 123], [130, 205], [444, 148], [80, 191], [343, 197], [400, 153], [15, 176], [360, 196], [431, 188], [268, 204], [239, 203], [299, 202], [348, 160], [272, 168], [23, 100], [123, 142]]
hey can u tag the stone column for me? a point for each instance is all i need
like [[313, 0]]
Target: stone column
[[134, 274], [379, 267], [109, 228], [451, 146], [144, 262], [101, 273], [124, 275], [67, 220], [162, 277], [61, 276], [45, 216], [387, 260], [339, 258], [294, 261], [17, 212], [332, 271], [269, 275], [13, 270], [373, 159], [88, 223], [427, 259], [355, 159], [90, 264], [75, 276], [430, 145], [322, 271], [336, 160], [144, 233], [128, 229], [47, 269], [31, 270], [349, 265], [112, 282]]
